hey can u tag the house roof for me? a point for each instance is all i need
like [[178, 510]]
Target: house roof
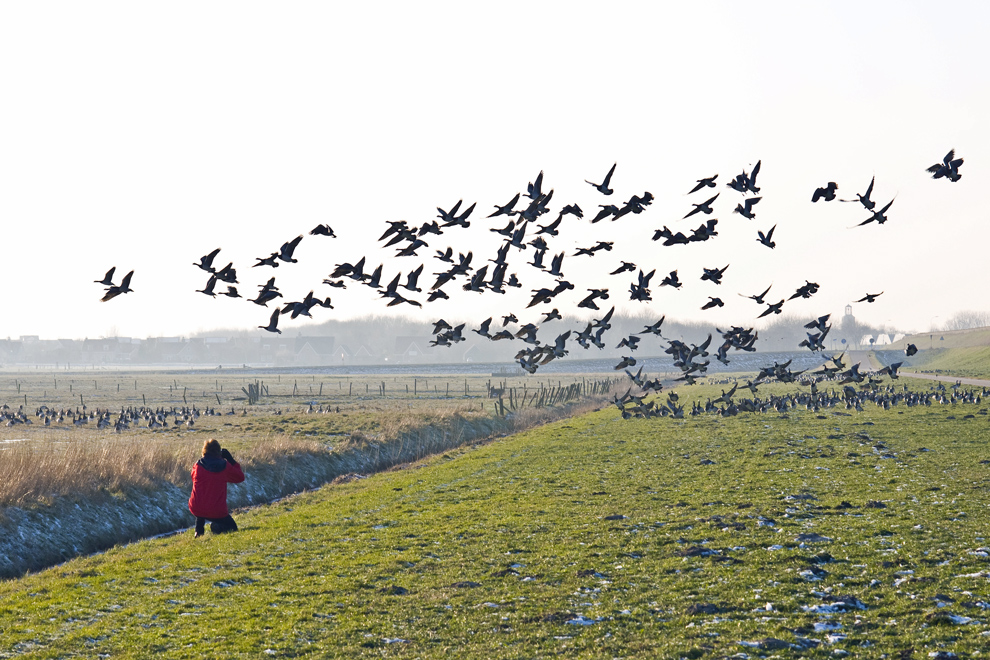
[[320, 345], [421, 344]]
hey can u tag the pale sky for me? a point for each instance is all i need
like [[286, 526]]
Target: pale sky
[[144, 135]]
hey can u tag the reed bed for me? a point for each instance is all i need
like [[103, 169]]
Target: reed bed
[[37, 472]]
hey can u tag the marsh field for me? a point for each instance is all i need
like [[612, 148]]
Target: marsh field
[[795, 534], [90, 461]]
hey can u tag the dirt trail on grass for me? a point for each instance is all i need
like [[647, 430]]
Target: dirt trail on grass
[[979, 382], [868, 362]]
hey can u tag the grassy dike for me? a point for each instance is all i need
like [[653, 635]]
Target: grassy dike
[[793, 535], [966, 362]]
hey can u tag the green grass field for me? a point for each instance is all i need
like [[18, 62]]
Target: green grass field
[[964, 362], [961, 353], [792, 535]]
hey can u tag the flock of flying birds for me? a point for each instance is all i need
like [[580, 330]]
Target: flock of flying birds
[[527, 231]]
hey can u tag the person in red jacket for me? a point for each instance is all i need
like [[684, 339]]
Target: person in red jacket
[[210, 477]]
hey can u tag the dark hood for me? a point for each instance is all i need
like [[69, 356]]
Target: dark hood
[[213, 463]]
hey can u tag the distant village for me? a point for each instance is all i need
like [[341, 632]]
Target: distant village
[[368, 342], [253, 351]]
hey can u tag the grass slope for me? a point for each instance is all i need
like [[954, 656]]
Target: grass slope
[[969, 362], [968, 338], [591, 537]]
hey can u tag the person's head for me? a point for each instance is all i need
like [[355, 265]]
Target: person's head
[[211, 448]]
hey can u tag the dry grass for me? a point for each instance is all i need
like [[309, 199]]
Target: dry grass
[[38, 471]]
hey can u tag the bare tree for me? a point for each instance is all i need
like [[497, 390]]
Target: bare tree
[[967, 319]]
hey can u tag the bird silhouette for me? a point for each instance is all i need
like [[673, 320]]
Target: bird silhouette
[[534, 190], [267, 293], [503, 254], [114, 291], [227, 274], [704, 207], [285, 252], [410, 249], [607, 210], [746, 208], [772, 309], [708, 182], [210, 284], [640, 290], [430, 228], [603, 186], [819, 323], [496, 284], [626, 362], [864, 199], [108, 278], [272, 323], [206, 261], [635, 205], [878, 216], [484, 329], [552, 227], [505, 231], [477, 282], [448, 216], [631, 342], [555, 265], [827, 193], [375, 279], [518, 236], [322, 230], [459, 220], [440, 326], [870, 297], [671, 280], [412, 280], [394, 227], [767, 239], [746, 182], [270, 260], [948, 168], [589, 300], [600, 245], [714, 275], [507, 209], [751, 179], [806, 290], [539, 243], [654, 328]]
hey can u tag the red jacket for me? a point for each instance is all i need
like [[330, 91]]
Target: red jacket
[[210, 477]]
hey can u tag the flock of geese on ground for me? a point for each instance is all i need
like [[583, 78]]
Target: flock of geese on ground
[[870, 389], [103, 418], [527, 232]]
